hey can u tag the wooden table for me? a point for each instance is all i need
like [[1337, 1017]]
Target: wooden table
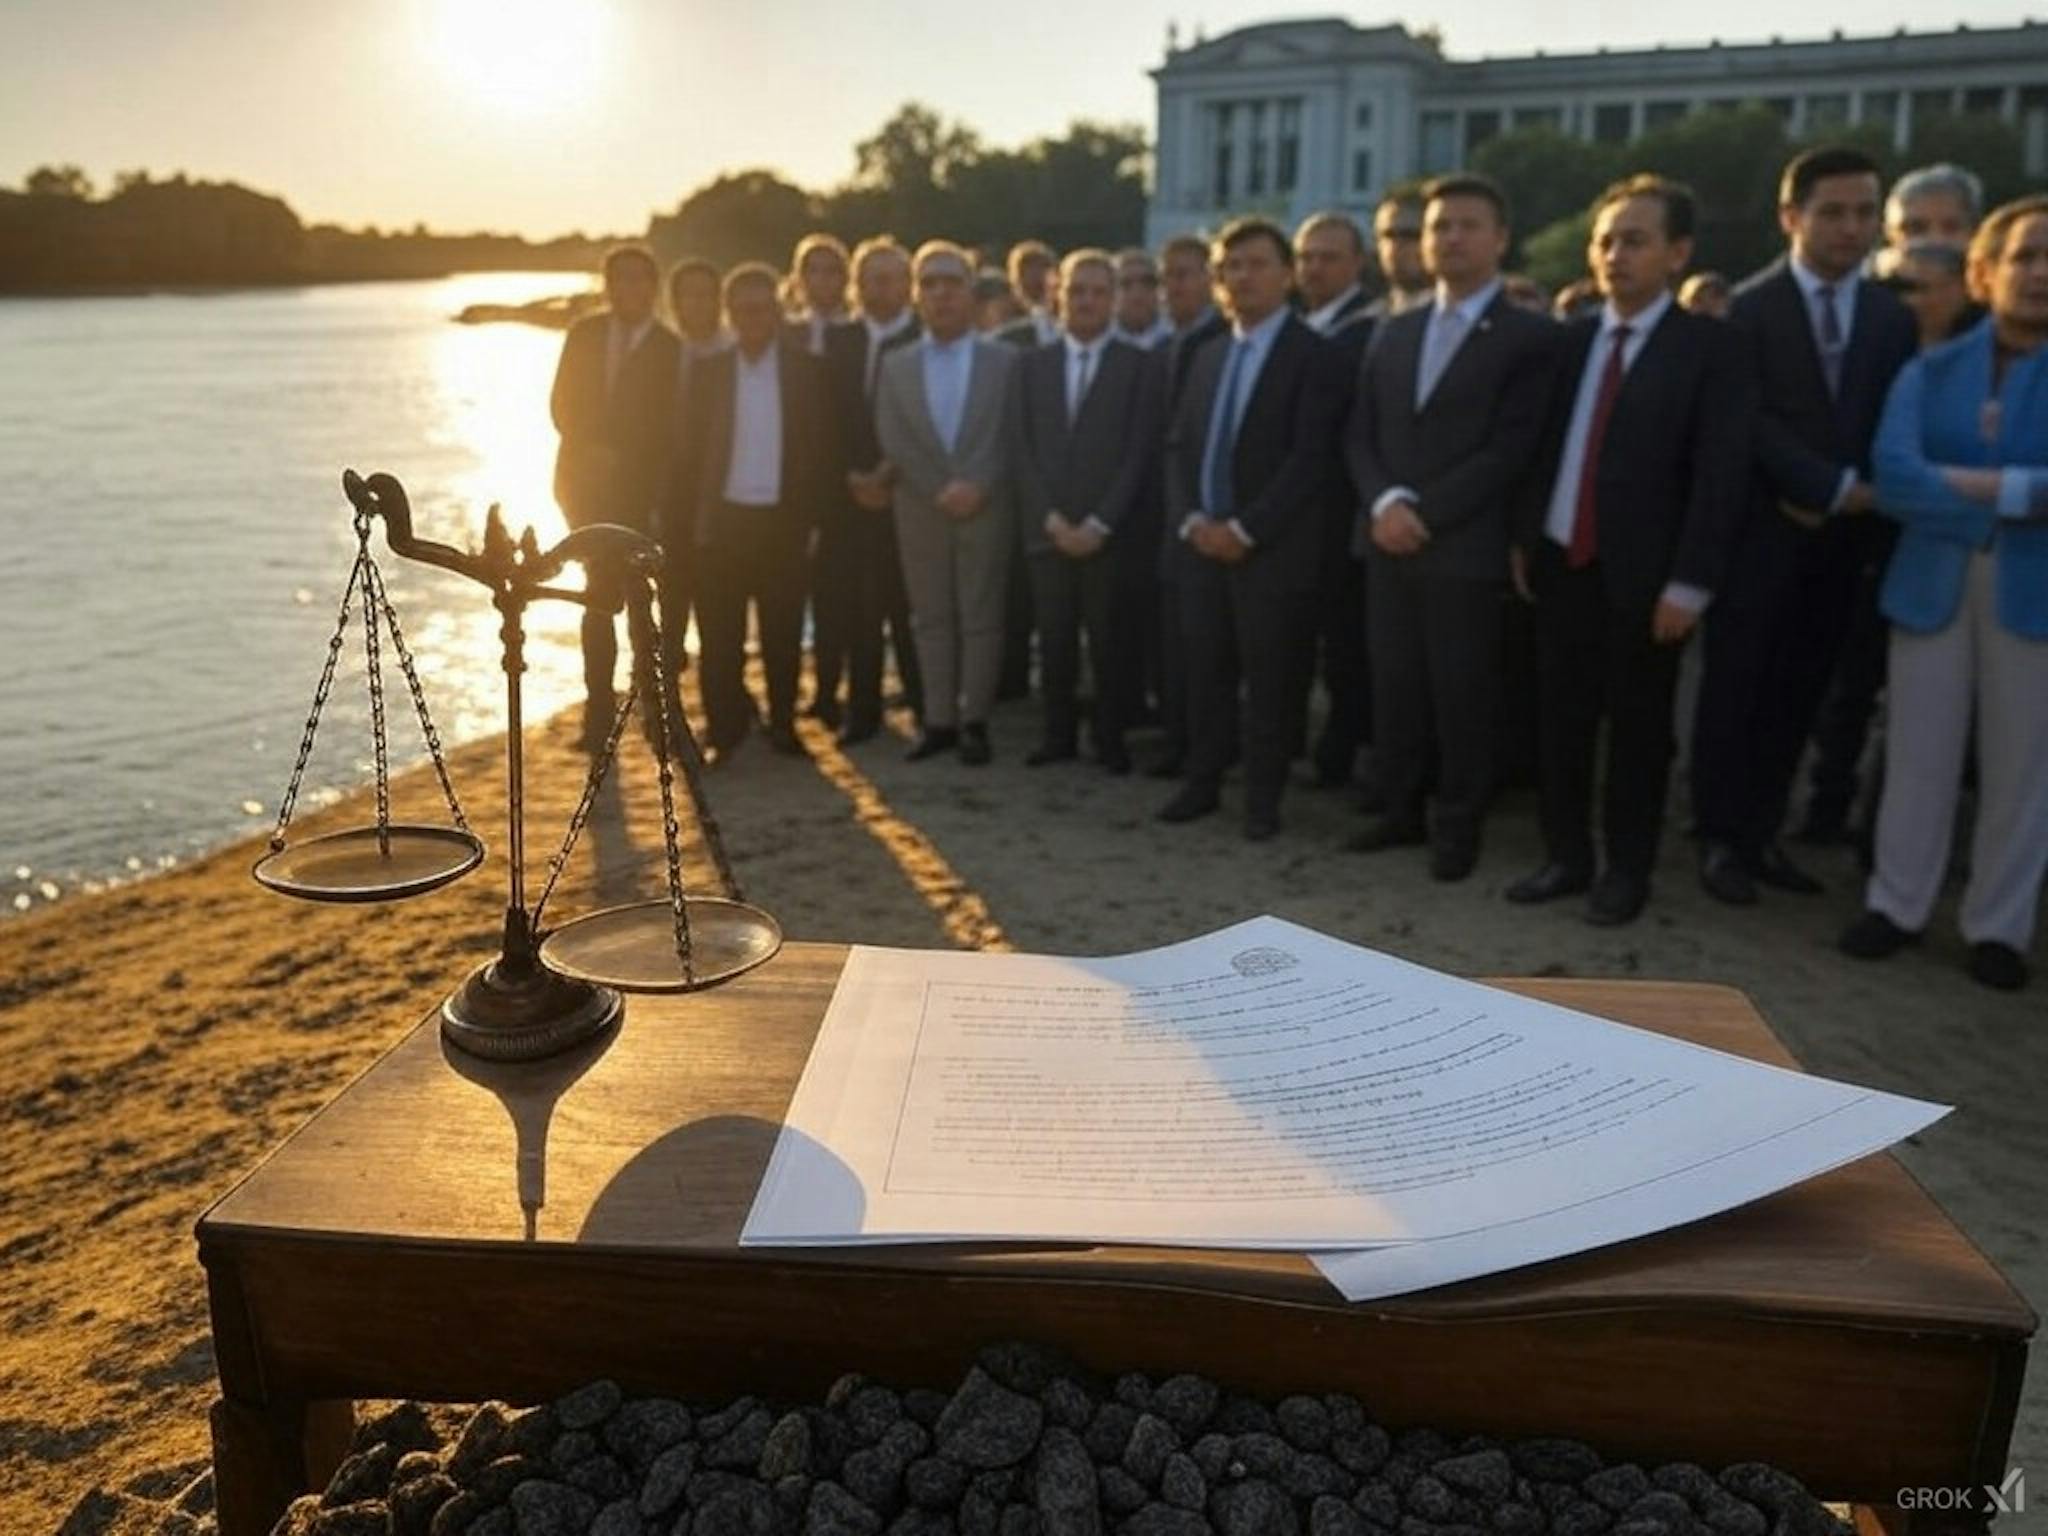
[[1844, 1330]]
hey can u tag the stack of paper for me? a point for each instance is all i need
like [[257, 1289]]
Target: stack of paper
[[1266, 1086]]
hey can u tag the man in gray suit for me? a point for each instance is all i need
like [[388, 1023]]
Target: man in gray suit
[[1080, 405], [941, 416]]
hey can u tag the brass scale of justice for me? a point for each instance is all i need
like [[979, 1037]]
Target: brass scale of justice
[[549, 989]]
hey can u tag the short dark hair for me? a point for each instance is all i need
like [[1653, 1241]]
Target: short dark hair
[[1680, 207], [693, 266], [1806, 170], [1331, 218], [752, 274], [1192, 244], [1253, 227], [1469, 184], [619, 255]]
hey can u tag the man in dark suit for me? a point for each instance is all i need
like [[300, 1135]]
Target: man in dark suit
[[1624, 531], [1824, 347], [1187, 283], [1329, 261], [857, 559], [1249, 462], [759, 458], [1444, 423], [613, 397], [1079, 405]]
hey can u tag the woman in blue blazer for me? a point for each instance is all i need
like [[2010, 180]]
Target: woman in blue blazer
[[1962, 462]]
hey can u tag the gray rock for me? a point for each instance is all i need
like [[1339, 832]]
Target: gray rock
[[1024, 1368], [906, 1440], [1121, 1493], [840, 1393], [745, 1510], [1424, 1445], [1211, 1454], [367, 1517], [1304, 1421], [1186, 1402], [361, 1477], [577, 1445], [644, 1428], [1400, 1471], [1555, 1461], [1428, 1497], [981, 1511], [835, 1512], [542, 1508], [1484, 1475], [706, 1486], [1253, 1508], [1694, 1484], [787, 1450], [1181, 1483], [456, 1515], [1067, 1404], [415, 1502], [1616, 1488], [988, 1425], [414, 1465], [740, 1447], [1333, 1517], [875, 1477], [1584, 1518], [1726, 1515], [1063, 1486], [1110, 1431], [1021, 1520], [792, 1496], [924, 1405], [1260, 1454], [1002, 1484], [619, 1518], [532, 1432], [482, 1441], [1664, 1506], [1518, 1520], [494, 1484], [1152, 1441], [1243, 1416], [1309, 1476], [667, 1480], [1134, 1390], [1379, 1503], [588, 1407], [1166, 1520], [601, 1477], [923, 1522], [1361, 1449], [935, 1482], [497, 1522], [871, 1411], [403, 1426]]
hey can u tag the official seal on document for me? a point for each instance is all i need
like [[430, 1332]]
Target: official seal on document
[[1263, 961]]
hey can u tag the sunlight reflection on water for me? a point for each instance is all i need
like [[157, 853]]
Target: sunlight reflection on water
[[177, 543]]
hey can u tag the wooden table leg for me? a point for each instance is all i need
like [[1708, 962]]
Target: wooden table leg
[[267, 1454]]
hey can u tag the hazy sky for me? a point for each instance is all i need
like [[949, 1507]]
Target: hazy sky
[[546, 115]]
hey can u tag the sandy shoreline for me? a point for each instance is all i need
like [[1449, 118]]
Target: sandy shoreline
[[163, 1036]]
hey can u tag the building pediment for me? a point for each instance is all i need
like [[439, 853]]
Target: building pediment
[[1310, 40]]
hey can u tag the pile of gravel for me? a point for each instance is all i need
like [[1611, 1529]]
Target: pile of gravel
[[1025, 1446]]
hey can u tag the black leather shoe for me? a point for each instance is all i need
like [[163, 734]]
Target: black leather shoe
[[1386, 833], [783, 739], [1873, 936], [1723, 877], [931, 741], [1115, 760], [1780, 873], [1453, 858], [1194, 801], [1169, 766], [1261, 826], [974, 748], [1997, 965], [1548, 883], [1049, 752], [1616, 899], [858, 731]]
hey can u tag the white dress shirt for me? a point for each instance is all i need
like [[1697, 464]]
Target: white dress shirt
[[1810, 284], [754, 477], [1571, 462], [948, 373], [1468, 312], [1322, 319], [1083, 362]]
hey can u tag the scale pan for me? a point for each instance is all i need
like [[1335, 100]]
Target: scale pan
[[349, 866], [634, 948]]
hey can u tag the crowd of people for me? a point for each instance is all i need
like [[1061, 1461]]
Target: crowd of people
[[1480, 520]]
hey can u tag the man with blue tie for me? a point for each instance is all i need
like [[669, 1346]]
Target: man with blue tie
[[1824, 347], [1249, 462]]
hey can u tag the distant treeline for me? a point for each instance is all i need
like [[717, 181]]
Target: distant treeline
[[57, 236]]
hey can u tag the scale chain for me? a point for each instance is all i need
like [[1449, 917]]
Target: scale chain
[[671, 831], [559, 861], [375, 668], [320, 692], [419, 700]]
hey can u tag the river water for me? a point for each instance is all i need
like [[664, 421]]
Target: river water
[[173, 544]]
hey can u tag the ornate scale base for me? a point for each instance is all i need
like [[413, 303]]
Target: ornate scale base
[[507, 1014]]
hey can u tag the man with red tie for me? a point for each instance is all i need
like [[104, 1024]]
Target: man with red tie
[[1623, 534]]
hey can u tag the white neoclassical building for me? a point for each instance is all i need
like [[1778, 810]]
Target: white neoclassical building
[[1287, 117]]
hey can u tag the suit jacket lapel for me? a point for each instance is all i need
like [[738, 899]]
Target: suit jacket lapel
[[921, 403], [1478, 344], [1404, 356], [981, 385]]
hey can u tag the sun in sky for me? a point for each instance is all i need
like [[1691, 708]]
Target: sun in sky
[[519, 57]]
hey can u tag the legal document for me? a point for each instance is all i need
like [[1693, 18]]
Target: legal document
[[1268, 1086]]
